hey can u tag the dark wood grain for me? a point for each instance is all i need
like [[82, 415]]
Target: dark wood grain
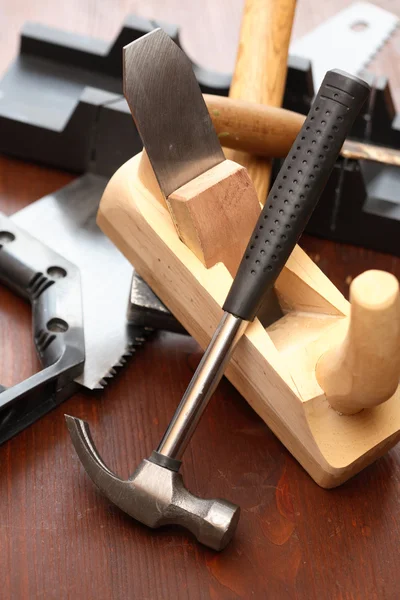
[[60, 539]]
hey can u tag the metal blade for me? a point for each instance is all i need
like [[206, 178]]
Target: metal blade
[[348, 40], [169, 111]]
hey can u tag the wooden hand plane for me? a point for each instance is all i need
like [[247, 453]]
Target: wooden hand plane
[[324, 376]]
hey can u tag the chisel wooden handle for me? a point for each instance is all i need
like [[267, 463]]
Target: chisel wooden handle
[[253, 128], [260, 71], [270, 132]]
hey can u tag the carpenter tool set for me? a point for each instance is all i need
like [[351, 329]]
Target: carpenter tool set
[[201, 240]]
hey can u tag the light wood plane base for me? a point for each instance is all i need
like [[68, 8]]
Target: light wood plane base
[[273, 369]]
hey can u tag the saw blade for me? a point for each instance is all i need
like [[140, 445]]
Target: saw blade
[[348, 40], [66, 222], [159, 79]]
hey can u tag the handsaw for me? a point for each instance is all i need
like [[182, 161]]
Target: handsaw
[[53, 254], [65, 221]]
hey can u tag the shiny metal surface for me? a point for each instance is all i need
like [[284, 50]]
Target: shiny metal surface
[[169, 111], [155, 495], [203, 383]]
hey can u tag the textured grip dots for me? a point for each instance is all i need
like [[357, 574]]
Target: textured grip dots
[[296, 190], [282, 216]]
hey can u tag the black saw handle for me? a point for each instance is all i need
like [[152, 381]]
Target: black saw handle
[[296, 190]]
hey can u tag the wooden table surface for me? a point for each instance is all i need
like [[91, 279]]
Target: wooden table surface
[[59, 538]]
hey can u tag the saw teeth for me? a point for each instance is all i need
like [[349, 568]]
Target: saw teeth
[[119, 364], [129, 351], [113, 370], [100, 385], [372, 56]]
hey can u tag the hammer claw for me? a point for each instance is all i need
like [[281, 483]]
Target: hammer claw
[[156, 495], [86, 450]]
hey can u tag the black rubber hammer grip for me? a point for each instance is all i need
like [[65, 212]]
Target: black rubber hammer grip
[[296, 190]]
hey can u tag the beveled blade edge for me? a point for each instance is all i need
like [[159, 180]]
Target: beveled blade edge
[[169, 111]]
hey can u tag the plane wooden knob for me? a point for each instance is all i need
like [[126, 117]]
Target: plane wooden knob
[[363, 371]]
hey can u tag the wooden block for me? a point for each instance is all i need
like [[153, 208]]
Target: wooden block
[[215, 214], [273, 369], [363, 370]]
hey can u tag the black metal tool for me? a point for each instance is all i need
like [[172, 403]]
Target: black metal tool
[[65, 221], [155, 493], [52, 285], [80, 328]]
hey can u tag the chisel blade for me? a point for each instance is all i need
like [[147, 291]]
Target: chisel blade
[[159, 79]]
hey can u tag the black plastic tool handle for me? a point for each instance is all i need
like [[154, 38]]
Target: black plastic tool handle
[[296, 190]]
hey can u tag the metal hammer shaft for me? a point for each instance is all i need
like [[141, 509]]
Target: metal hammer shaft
[[203, 383]]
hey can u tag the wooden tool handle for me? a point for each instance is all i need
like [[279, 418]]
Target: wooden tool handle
[[364, 370], [253, 128], [269, 131], [260, 71]]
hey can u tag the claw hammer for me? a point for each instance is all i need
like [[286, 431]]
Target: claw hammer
[[155, 493]]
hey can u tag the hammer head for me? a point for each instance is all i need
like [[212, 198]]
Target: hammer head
[[156, 495]]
